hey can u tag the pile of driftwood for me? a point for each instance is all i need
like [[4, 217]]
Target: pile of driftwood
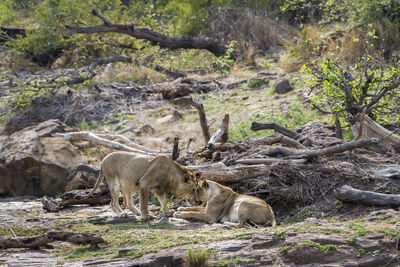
[[287, 168]]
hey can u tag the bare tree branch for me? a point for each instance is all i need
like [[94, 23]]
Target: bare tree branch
[[163, 41], [202, 114]]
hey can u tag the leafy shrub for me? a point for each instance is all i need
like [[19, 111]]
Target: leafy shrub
[[371, 84], [225, 63]]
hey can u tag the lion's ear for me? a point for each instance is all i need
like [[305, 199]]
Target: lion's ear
[[204, 184]]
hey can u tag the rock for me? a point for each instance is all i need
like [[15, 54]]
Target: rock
[[371, 261], [379, 215], [308, 255], [390, 172], [169, 118], [178, 90], [145, 130], [367, 244], [282, 86], [262, 241], [34, 163]]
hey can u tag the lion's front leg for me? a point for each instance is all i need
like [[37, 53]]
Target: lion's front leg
[[194, 208], [203, 216], [163, 203], [144, 195]]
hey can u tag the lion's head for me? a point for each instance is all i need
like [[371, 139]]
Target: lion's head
[[189, 187]]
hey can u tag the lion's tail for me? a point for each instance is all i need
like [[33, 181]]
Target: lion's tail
[[99, 181]]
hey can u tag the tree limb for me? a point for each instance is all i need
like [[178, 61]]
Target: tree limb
[[335, 149], [97, 139], [202, 114], [275, 138], [349, 194], [256, 126], [163, 41]]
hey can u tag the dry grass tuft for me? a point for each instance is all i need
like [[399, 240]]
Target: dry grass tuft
[[124, 72], [254, 32]]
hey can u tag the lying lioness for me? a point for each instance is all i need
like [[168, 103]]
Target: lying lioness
[[226, 206], [129, 173]]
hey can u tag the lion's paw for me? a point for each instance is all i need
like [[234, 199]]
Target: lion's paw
[[123, 215], [177, 214], [168, 213]]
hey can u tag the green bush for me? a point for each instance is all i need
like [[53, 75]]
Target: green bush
[[371, 84]]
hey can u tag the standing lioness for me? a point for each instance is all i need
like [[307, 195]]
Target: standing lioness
[[226, 206], [129, 173]]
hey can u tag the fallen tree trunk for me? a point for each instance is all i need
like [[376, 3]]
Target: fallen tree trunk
[[349, 194], [42, 240], [163, 41], [221, 173]]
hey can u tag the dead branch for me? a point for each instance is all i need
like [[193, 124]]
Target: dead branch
[[97, 139], [274, 139], [131, 143], [338, 127], [221, 135], [268, 161], [175, 150], [256, 126], [349, 194], [163, 41], [102, 61], [335, 149], [77, 197], [41, 240], [202, 115]]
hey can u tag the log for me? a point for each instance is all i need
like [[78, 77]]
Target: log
[[202, 115], [369, 198], [256, 126], [41, 240], [221, 135], [77, 197], [221, 173], [155, 38]]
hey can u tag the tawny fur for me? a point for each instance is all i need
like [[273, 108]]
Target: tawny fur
[[128, 173], [226, 206]]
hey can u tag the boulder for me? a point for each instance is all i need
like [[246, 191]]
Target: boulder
[[282, 86], [32, 162]]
